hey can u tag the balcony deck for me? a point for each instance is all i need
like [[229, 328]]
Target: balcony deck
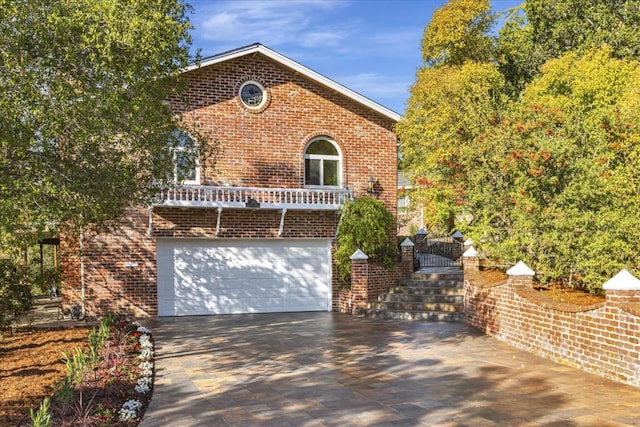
[[198, 196]]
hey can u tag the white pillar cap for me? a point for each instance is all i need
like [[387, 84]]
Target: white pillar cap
[[623, 281], [357, 255], [421, 232], [520, 269], [457, 235], [406, 243], [470, 253]]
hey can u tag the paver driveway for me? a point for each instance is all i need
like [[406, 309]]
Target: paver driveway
[[317, 369]]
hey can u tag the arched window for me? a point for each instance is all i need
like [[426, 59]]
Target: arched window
[[186, 169], [322, 163]]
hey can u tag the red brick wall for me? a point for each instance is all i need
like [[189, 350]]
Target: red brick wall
[[370, 279], [266, 149], [243, 223], [603, 338], [257, 149], [70, 269], [119, 270]]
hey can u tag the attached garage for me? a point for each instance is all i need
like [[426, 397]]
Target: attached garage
[[207, 276]]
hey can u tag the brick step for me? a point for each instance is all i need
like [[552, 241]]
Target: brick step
[[432, 316], [432, 283], [436, 295], [430, 290], [422, 298], [437, 277], [418, 306]]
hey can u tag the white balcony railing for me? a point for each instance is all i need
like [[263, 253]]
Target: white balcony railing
[[246, 197]]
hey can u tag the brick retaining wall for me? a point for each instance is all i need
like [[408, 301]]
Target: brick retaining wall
[[603, 338], [370, 279]]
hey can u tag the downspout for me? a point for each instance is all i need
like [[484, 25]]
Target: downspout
[[82, 306]]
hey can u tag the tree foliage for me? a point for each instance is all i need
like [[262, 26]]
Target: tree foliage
[[546, 149], [449, 105], [85, 126], [15, 294], [365, 224], [558, 179], [550, 28], [458, 33]]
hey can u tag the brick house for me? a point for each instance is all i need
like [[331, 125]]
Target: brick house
[[254, 231]]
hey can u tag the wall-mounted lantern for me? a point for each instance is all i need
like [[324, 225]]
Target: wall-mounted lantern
[[373, 186]]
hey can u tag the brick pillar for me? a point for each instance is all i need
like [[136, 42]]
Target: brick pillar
[[359, 281], [420, 239], [520, 275], [407, 250], [471, 260], [622, 288]]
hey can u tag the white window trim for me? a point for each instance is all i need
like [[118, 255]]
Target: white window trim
[[261, 87], [323, 157], [195, 181]]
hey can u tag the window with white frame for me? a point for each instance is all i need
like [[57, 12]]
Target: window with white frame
[[252, 95], [322, 163], [186, 168]]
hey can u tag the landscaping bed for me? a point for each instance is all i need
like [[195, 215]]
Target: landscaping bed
[[555, 292], [104, 377], [30, 365]]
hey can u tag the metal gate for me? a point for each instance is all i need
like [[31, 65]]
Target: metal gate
[[439, 251]]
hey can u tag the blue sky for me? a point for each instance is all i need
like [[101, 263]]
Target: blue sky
[[370, 46]]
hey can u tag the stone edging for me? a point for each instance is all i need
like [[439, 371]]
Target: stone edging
[[537, 298], [631, 308], [477, 281]]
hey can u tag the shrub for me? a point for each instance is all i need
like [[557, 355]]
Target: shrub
[[15, 294], [367, 225]]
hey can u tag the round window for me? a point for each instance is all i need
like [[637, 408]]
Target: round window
[[252, 94]]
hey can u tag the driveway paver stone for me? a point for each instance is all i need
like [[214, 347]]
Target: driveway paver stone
[[330, 369]]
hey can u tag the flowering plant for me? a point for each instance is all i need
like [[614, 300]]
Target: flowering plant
[[117, 369], [130, 408]]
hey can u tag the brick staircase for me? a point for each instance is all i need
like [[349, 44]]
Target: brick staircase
[[435, 294]]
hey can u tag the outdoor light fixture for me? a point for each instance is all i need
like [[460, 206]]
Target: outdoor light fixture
[[373, 187], [252, 203]]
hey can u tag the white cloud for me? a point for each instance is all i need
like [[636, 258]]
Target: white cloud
[[375, 85], [270, 22]]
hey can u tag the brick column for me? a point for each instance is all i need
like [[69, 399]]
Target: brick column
[[623, 288], [520, 275], [470, 260], [359, 281], [407, 249], [420, 239]]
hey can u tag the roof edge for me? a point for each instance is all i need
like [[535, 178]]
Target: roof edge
[[297, 67]]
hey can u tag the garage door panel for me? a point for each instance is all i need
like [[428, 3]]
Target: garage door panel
[[266, 288], [182, 307], [305, 265], [265, 305], [304, 304], [198, 276]]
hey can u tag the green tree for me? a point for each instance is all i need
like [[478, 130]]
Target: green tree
[[557, 178], [365, 224], [532, 143], [550, 28], [457, 94], [459, 32], [85, 126], [448, 108]]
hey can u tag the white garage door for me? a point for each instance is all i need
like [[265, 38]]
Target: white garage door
[[249, 276]]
